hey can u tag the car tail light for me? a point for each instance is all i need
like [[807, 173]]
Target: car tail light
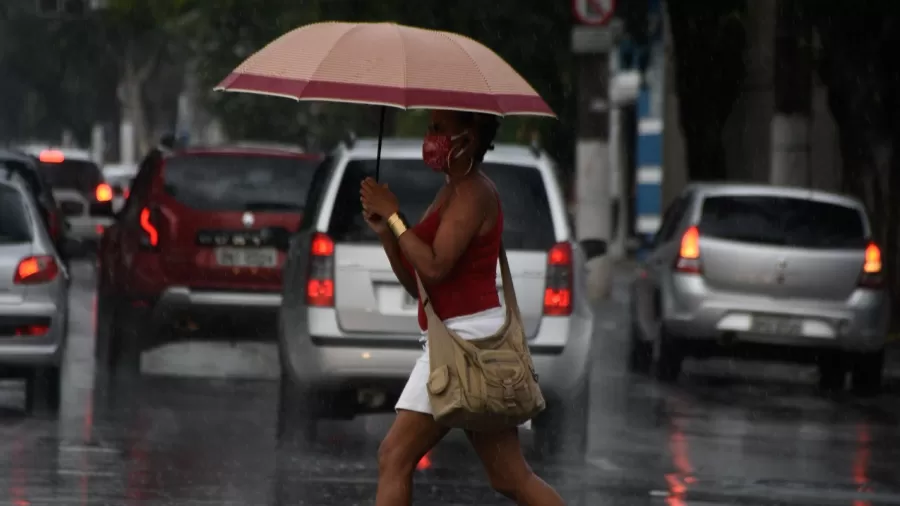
[[688, 260], [558, 290], [149, 219], [32, 330], [103, 193], [320, 278], [35, 270], [871, 275]]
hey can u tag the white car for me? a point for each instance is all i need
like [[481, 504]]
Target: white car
[[80, 189], [348, 331], [119, 176]]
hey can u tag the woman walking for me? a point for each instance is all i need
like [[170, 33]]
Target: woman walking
[[455, 250]]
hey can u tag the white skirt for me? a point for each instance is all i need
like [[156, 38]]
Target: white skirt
[[472, 326]]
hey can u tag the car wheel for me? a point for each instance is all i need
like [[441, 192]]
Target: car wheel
[[43, 390], [669, 356], [297, 418], [561, 430], [832, 366], [867, 373], [640, 352]]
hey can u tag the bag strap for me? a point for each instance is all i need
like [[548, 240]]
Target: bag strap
[[509, 291]]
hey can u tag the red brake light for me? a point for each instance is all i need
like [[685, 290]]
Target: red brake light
[[871, 276], [320, 277], [103, 193], [52, 156], [558, 290], [689, 253], [32, 330], [35, 270], [151, 234]]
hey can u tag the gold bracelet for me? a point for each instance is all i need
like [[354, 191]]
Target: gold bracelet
[[395, 223]]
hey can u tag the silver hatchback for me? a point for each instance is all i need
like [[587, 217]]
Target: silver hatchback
[[349, 336], [763, 272], [33, 296]]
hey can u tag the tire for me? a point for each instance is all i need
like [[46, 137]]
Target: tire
[[640, 352], [832, 366], [561, 430], [43, 390], [297, 417], [669, 357], [867, 373], [116, 350]]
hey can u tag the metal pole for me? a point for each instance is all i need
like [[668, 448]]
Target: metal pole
[[380, 137]]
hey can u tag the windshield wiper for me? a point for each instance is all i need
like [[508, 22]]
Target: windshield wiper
[[271, 206]]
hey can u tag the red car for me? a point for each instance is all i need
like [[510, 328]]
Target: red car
[[196, 253]]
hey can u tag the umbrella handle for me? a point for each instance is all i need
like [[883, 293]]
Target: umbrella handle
[[380, 137]]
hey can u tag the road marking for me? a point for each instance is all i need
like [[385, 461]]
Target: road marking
[[88, 449]]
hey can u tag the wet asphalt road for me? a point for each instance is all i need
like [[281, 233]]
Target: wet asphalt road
[[727, 434]]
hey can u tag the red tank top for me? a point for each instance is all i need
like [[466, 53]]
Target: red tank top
[[471, 286]]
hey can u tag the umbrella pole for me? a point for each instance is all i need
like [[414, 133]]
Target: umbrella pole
[[380, 137]]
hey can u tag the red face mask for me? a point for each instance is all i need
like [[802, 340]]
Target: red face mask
[[437, 149]]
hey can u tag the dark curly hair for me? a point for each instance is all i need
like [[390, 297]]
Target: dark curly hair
[[485, 126]]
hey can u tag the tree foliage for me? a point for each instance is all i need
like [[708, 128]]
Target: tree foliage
[[710, 41]]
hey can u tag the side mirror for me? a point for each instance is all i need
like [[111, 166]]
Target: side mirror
[[103, 209], [593, 248]]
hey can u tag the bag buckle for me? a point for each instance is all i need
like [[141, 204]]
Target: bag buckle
[[509, 394]]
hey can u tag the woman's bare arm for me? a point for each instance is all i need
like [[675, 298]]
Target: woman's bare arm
[[462, 218]]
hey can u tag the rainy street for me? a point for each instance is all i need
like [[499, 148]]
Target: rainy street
[[748, 434]]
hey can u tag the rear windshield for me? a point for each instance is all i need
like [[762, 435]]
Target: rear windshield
[[78, 175], [527, 224], [14, 226], [782, 221], [239, 182]]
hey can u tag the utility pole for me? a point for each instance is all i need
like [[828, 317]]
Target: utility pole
[[790, 127], [592, 40]]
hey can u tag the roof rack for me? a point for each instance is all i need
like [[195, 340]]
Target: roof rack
[[349, 138], [535, 146]]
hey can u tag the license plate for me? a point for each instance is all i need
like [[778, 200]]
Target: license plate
[[776, 325], [246, 257]]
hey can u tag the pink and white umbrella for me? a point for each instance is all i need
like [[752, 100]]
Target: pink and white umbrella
[[389, 65]]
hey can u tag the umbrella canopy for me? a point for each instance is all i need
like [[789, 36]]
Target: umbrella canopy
[[386, 64]]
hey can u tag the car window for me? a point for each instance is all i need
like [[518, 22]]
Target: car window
[[79, 175], [14, 222], [782, 221], [671, 219], [239, 182], [527, 224], [26, 172]]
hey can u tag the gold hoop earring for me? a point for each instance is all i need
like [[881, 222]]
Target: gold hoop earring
[[471, 165]]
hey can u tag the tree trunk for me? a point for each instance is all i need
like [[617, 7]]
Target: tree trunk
[[790, 127], [131, 101]]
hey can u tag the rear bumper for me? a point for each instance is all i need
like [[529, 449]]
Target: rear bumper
[[694, 312], [181, 313], [87, 229], [318, 356], [47, 349]]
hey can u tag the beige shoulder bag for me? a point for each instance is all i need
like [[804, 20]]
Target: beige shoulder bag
[[482, 384]]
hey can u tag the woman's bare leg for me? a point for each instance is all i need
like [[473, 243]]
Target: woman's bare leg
[[408, 440], [509, 474]]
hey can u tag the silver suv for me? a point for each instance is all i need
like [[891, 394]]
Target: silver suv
[[348, 333], [763, 272]]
